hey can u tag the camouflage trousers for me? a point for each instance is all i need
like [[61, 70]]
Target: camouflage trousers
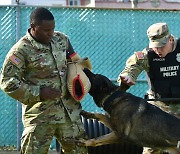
[[170, 108], [37, 139]]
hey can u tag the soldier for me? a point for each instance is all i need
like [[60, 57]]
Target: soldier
[[161, 61], [34, 73]]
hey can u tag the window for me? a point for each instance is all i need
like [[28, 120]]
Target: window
[[74, 2]]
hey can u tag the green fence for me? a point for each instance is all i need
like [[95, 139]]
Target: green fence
[[107, 36]]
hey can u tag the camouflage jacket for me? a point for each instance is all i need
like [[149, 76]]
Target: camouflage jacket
[[30, 65]]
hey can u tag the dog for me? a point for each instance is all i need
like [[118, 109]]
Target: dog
[[131, 118]]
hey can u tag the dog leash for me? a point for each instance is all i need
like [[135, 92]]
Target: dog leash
[[173, 100]]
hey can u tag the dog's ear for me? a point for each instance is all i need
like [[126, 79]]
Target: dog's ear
[[88, 72], [124, 87], [108, 85]]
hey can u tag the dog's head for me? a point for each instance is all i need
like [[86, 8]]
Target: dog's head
[[101, 86]]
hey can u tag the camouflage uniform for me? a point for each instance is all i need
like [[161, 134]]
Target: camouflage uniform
[[29, 66], [139, 62]]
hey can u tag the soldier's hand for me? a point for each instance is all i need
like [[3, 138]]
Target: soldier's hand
[[49, 93], [127, 80]]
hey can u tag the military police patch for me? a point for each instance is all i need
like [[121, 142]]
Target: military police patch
[[139, 55], [178, 57]]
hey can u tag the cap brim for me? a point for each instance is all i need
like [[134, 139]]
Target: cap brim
[[156, 44], [159, 42]]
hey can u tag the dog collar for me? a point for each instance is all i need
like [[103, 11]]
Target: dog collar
[[109, 101]]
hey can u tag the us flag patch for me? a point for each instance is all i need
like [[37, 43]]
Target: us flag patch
[[140, 55], [15, 60]]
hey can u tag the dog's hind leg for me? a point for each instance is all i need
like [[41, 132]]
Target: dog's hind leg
[[98, 116], [102, 140]]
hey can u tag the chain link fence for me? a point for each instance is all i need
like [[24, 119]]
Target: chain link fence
[[107, 36]]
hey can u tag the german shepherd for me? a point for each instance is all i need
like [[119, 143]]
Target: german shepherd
[[131, 118]]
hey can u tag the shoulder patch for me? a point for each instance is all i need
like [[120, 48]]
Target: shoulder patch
[[15, 60], [139, 54]]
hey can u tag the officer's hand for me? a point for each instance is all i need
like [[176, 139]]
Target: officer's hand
[[127, 80], [49, 93]]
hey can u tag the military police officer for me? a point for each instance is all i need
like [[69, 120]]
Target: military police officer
[[161, 61], [34, 73]]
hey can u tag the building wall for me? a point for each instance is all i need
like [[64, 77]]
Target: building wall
[[34, 2], [88, 3], [161, 4], [146, 4]]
